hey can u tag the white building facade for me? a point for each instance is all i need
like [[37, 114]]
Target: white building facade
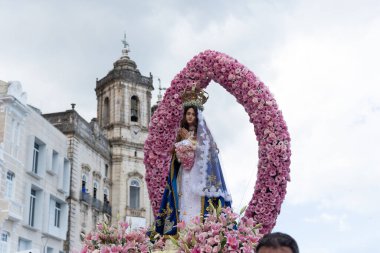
[[35, 177]]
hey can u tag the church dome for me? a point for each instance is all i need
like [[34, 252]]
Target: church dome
[[125, 69], [125, 62]]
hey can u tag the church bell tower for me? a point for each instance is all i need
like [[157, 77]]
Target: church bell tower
[[123, 112]]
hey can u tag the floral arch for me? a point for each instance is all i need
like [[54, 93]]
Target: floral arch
[[270, 129]]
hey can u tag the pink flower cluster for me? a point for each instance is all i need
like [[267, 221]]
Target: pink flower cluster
[[185, 152], [117, 238], [270, 129], [220, 232]]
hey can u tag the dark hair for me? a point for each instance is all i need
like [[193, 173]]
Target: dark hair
[[277, 240], [184, 123]]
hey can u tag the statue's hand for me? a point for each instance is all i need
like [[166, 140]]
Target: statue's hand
[[184, 133]]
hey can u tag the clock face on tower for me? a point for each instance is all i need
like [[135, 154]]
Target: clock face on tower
[[135, 132]]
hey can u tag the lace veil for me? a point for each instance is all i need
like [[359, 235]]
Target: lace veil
[[206, 173]]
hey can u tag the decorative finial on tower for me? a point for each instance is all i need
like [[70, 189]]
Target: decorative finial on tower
[[159, 96], [72, 106], [126, 45]]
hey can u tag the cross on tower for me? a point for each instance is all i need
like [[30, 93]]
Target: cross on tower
[[125, 43], [159, 97]]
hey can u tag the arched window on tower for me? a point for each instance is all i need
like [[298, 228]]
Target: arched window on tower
[[134, 109], [134, 194], [106, 111]]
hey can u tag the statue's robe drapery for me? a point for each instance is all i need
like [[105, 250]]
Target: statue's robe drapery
[[168, 215]]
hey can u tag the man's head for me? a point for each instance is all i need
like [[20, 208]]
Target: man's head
[[277, 243]]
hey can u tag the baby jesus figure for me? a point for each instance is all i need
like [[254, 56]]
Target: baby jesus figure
[[185, 151]]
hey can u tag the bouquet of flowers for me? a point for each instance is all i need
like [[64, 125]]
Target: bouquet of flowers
[[220, 232], [119, 238], [185, 153]]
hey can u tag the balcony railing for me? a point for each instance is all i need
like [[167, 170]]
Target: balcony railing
[[10, 209], [15, 211], [136, 212], [96, 204], [85, 197], [107, 209]]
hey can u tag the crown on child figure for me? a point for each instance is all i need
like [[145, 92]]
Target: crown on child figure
[[194, 97]]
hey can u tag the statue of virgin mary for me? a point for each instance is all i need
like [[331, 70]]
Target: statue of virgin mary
[[195, 178]]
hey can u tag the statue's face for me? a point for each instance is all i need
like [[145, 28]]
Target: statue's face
[[190, 116]]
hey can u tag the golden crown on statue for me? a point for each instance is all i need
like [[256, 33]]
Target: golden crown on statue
[[194, 97]]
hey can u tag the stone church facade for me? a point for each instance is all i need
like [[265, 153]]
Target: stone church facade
[[124, 108], [90, 183]]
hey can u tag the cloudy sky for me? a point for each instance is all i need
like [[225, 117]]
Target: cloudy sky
[[320, 59]]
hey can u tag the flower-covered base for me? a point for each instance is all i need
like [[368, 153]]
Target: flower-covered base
[[221, 231]]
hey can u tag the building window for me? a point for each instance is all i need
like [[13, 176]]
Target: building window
[[49, 250], [37, 162], [9, 186], [134, 194], [84, 182], [106, 196], [36, 152], [32, 207], [106, 171], [95, 189], [57, 214], [134, 109], [4, 242], [106, 111]]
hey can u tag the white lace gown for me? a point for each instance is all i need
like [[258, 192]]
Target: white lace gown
[[189, 202]]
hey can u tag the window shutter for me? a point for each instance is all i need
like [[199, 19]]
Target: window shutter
[[29, 153], [60, 172], [49, 159], [26, 201]]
